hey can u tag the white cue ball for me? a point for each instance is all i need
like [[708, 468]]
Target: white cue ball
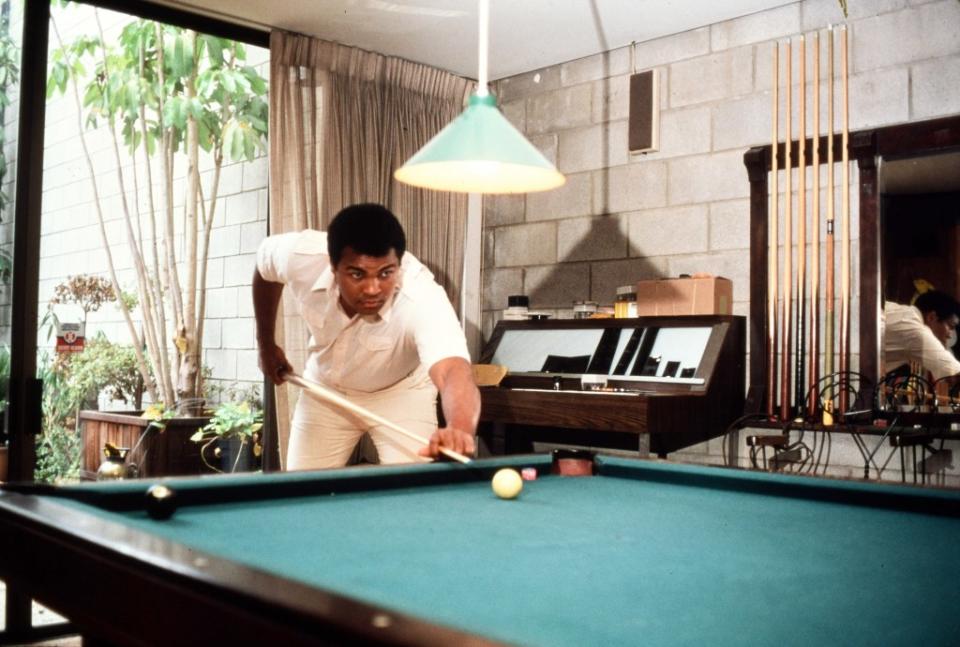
[[507, 483]]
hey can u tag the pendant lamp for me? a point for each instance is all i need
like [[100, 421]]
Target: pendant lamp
[[480, 151]]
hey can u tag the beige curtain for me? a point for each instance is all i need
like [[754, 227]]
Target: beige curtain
[[341, 121]]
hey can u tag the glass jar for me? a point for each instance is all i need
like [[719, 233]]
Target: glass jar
[[626, 304], [584, 309]]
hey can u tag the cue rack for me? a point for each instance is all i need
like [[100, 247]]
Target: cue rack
[[801, 263], [805, 293]]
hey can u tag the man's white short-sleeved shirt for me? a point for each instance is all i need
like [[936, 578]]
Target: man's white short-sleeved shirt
[[414, 330], [906, 338]]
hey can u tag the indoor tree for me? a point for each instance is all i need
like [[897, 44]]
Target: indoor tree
[[163, 93]]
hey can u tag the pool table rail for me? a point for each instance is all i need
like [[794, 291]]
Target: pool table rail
[[102, 575]]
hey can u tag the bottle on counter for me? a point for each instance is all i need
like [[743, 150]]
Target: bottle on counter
[[626, 304]]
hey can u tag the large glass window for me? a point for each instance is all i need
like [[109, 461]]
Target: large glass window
[[11, 16], [154, 201]]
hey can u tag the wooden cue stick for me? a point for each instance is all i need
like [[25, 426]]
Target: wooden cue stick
[[787, 315], [800, 361], [845, 220], [814, 375], [773, 234], [828, 320], [327, 395]]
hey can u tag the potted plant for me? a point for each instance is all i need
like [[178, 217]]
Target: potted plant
[[231, 438]]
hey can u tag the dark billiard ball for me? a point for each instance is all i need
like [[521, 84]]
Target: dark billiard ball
[[161, 502]]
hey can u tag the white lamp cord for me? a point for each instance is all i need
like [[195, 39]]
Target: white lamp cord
[[484, 35]]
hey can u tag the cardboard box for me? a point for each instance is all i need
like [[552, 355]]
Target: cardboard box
[[708, 295]]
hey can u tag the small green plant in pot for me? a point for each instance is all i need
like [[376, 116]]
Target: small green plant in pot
[[233, 423]]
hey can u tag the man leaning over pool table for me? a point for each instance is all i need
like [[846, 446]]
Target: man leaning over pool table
[[382, 333]]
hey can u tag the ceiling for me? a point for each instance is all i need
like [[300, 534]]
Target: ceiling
[[524, 34]]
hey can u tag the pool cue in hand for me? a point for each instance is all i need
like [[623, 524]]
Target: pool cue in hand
[[327, 395], [845, 226], [773, 235]]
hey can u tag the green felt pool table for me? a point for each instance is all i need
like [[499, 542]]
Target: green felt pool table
[[639, 553]]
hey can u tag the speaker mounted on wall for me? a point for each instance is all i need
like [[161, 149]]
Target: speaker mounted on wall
[[644, 123]]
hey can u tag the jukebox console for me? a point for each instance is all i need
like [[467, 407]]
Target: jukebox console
[[649, 384]]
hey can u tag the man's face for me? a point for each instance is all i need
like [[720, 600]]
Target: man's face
[[942, 328], [366, 282]]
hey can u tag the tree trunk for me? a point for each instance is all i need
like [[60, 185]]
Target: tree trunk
[[190, 360]]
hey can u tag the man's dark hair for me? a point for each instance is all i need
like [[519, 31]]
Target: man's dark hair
[[369, 229], [939, 302]]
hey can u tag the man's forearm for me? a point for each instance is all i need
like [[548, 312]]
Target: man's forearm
[[266, 302], [459, 396]]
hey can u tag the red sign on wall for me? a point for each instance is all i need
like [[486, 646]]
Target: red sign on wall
[[69, 337]]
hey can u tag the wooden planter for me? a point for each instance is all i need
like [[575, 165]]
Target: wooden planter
[[166, 452]]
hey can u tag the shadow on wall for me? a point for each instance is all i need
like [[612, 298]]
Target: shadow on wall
[[602, 259], [598, 263]]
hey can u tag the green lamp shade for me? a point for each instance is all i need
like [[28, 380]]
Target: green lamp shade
[[480, 152]]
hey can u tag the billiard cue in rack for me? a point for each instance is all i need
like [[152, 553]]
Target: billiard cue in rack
[[773, 236], [787, 314], [801, 358], [845, 221], [795, 328], [814, 344], [829, 317], [325, 394]]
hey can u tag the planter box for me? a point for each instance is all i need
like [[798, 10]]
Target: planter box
[[168, 452]]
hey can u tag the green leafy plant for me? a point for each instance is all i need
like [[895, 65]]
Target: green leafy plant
[[58, 443], [6, 262], [107, 368], [58, 455], [70, 382], [9, 75], [158, 414], [4, 378], [231, 420]]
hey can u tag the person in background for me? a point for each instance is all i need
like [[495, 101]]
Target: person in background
[[383, 334], [923, 335]]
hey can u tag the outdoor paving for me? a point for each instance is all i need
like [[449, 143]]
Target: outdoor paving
[[41, 616]]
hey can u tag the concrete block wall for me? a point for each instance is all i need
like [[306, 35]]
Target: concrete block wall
[[10, 135], [621, 217], [71, 241]]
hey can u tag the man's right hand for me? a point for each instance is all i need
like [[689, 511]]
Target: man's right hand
[[274, 364]]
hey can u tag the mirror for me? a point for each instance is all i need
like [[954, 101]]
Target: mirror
[[920, 226], [914, 155]]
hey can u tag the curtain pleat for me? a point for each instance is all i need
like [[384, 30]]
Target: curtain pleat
[[342, 120]]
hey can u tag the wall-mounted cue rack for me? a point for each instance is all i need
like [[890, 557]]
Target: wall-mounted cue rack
[[650, 384], [796, 338]]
